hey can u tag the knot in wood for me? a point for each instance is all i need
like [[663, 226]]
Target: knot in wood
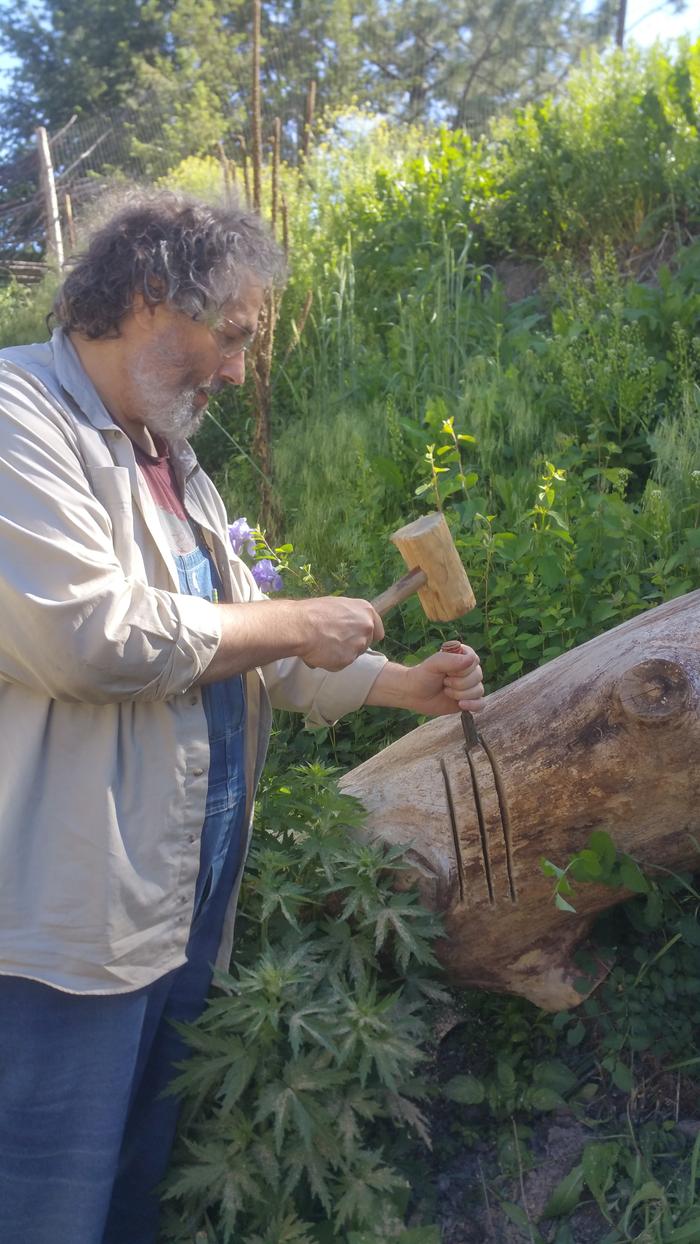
[[655, 691]]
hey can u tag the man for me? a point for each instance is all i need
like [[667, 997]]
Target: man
[[138, 662]]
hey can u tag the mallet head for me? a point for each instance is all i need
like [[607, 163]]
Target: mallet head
[[436, 571]]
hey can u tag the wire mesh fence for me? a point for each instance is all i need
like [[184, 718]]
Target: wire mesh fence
[[90, 154]]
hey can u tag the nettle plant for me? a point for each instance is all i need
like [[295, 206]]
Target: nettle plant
[[306, 1067]]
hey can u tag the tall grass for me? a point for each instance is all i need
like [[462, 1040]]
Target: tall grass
[[23, 311]]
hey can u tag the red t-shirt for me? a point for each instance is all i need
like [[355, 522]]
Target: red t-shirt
[[159, 473]]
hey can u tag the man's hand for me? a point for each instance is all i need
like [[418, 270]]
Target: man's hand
[[337, 629], [446, 682]]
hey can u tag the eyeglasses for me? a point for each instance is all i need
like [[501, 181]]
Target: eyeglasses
[[229, 346]]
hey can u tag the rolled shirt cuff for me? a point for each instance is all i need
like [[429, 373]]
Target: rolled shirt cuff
[[344, 691]]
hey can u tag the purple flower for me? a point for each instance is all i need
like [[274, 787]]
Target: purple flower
[[241, 537], [266, 577]]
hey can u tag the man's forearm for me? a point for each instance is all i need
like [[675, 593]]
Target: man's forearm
[[255, 633], [328, 632], [390, 688]]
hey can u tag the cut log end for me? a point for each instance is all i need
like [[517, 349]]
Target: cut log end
[[655, 691]]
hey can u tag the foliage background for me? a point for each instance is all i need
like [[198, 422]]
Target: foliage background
[[559, 432]]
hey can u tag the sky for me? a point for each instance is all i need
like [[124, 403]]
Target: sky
[[645, 24]]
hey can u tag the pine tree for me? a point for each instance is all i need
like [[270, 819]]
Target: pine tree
[[74, 57]]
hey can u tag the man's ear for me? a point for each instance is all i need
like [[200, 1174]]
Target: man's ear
[[143, 311]]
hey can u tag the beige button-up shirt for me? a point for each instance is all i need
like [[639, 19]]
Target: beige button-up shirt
[[103, 737]]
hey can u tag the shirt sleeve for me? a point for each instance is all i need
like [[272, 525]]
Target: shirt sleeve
[[322, 695], [74, 626]]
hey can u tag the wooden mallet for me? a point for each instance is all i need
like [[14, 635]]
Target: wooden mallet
[[439, 578], [436, 572]]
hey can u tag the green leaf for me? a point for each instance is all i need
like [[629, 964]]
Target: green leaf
[[688, 1233], [622, 1077], [649, 1191], [562, 904], [598, 1162], [555, 1075], [604, 847], [465, 1089], [586, 866], [566, 1195], [576, 1034], [653, 910], [632, 876], [690, 930], [505, 1074], [544, 1098], [551, 572], [520, 1218], [551, 870]]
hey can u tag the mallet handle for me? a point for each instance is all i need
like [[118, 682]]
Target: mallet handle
[[400, 591]]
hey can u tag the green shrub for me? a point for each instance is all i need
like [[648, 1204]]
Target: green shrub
[[309, 1059], [615, 157]]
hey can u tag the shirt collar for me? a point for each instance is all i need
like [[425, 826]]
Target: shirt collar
[[76, 382]]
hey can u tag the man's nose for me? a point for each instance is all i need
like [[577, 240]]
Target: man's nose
[[232, 370]]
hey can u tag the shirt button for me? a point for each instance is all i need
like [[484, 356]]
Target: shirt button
[[197, 772], [194, 700], [191, 838]]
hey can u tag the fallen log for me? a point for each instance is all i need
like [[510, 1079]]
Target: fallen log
[[604, 737]]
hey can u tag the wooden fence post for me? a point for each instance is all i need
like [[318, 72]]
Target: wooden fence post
[[308, 119], [68, 204], [621, 19], [54, 239], [256, 119]]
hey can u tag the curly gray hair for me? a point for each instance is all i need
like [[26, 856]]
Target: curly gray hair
[[167, 247]]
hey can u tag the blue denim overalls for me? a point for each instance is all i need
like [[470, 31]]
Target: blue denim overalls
[[224, 705], [82, 1165]]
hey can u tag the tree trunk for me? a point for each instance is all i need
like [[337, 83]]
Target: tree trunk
[[604, 737]]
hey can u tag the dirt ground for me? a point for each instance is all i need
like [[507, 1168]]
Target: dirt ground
[[464, 1184], [468, 1214]]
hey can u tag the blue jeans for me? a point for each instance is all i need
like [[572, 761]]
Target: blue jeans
[[85, 1133]]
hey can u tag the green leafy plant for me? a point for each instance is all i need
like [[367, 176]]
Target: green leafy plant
[[598, 862], [309, 1059]]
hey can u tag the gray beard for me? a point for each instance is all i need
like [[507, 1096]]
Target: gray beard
[[179, 421], [173, 416]]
